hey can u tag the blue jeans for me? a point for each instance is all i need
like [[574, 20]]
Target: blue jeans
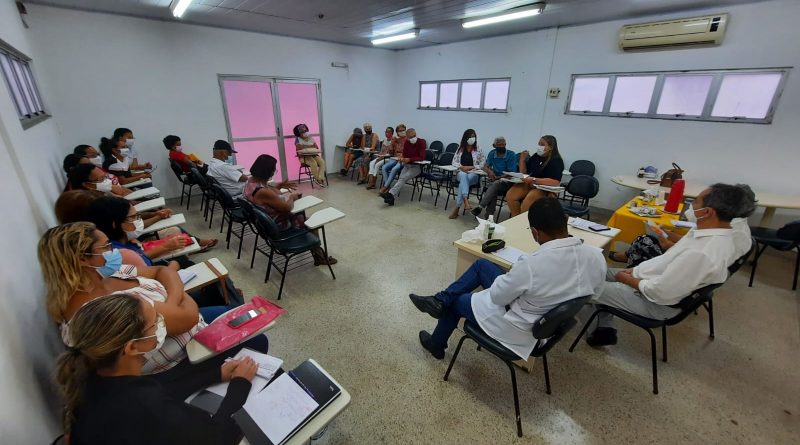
[[457, 299], [388, 175], [465, 181], [210, 313]]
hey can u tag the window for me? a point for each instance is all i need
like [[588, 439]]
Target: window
[[489, 95], [747, 95], [23, 91]]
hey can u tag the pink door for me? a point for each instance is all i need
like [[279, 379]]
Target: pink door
[[297, 102]]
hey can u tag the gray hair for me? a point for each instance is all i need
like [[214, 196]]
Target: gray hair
[[410, 129], [367, 125], [731, 201], [499, 139]]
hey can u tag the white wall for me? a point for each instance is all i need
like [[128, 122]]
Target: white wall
[[160, 78], [759, 35], [31, 180]]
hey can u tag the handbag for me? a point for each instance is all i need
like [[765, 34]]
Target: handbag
[[669, 177]]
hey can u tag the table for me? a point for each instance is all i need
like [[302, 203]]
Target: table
[[150, 205], [141, 193], [322, 217], [172, 221], [204, 275], [770, 201], [518, 235], [138, 183], [305, 203], [191, 248], [632, 225]]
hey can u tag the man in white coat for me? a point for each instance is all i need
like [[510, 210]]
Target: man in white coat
[[562, 269]]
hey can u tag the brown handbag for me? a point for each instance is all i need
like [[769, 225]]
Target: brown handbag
[[669, 177]]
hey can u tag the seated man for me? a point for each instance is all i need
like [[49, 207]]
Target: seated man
[[562, 269], [498, 161], [229, 177], [413, 151], [698, 259]]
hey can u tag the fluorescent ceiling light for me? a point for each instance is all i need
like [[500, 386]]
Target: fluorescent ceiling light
[[178, 7], [397, 38], [536, 10]]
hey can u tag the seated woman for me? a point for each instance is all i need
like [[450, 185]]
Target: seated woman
[[116, 159], [94, 158], [277, 205], [371, 171], [309, 154], [356, 140], [79, 266], [545, 167], [391, 167], [175, 149], [85, 176], [108, 401], [467, 159]]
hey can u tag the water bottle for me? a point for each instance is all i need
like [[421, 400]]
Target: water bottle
[[490, 227], [675, 196]]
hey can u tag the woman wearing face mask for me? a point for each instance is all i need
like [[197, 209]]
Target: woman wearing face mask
[[88, 177], [175, 149], [79, 265], [94, 158], [116, 159], [545, 167], [392, 167], [369, 143], [106, 398], [310, 154], [376, 164], [467, 159], [355, 141]]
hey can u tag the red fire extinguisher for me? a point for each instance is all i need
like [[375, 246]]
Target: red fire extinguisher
[[675, 196]]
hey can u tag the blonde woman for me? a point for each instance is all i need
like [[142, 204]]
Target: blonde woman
[[309, 153], [108, 401], [80, 266]]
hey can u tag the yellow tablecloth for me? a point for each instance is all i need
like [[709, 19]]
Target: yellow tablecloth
[[632, 225]]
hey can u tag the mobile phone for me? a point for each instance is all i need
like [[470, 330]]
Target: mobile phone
[[242, 319], [598, 228]]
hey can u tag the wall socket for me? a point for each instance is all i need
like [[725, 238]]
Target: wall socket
[[554, 92]]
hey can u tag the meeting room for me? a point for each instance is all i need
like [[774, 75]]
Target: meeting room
[[269, 222]]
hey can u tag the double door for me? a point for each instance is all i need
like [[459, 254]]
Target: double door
[[261, 113]]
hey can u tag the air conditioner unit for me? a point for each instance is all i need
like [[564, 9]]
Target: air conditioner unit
[[706, 30]]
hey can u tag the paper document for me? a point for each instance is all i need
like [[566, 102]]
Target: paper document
[[686, 224], [267, 364], [280, 408], [510, 254], [550, 188], [256, 385], [186, 275], [583, 224], [516, 175]]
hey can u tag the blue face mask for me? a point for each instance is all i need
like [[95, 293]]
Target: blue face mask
[[112, 265]]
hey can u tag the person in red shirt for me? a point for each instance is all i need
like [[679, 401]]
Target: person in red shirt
[[173, 145], [413, 152]]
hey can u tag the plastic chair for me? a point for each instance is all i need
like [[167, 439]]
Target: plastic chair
[[304, 170], [185, 180], [435, 176], [547, 331], [436, 146], [784, 239], [699, 298], [231, 212], [579, 191], [451, 148]]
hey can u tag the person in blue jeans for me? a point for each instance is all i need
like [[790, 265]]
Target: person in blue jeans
[[390, 169], [560, 270]]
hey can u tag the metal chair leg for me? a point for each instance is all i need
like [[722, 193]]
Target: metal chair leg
[[583, 330], [183, 191], [755, 264], [255, 249], [516, 397], [546, 373], [796, 268], [654, 360], [269, 264], [455, 355], [710, 309], [664, 343], [241, 241], [283, 276]]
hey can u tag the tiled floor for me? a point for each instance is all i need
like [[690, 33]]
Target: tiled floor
[[743, 387]]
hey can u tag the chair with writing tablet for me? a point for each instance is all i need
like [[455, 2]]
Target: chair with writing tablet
[[232, 213], [785, 239], [547, 331], [186, 180], [436, 146], [451, 148], [579, 191]]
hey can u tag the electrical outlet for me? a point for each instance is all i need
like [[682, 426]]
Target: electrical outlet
[[554, 92]]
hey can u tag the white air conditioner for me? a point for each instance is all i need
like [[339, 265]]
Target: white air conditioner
[[706, 30]]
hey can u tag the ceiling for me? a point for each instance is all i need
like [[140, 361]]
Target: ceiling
[[355, 22]]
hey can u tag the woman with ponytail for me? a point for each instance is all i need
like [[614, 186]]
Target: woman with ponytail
[[116, 159], [106, 398]]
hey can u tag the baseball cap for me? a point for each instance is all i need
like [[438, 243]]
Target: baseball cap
[[224, 145]]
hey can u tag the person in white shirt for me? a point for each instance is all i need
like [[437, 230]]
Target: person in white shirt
[[229, 177], [562, 269], [698, 259]]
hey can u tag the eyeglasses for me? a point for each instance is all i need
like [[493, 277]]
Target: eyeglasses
[[105, 248]]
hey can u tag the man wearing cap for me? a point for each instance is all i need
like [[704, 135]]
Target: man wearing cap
[[228, 176]]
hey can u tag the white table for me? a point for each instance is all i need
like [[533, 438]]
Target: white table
[[322, 217], [172, 221], [138, 183], [141, 193], [189, 249], [770, 201], [150, 205], [204, 275], [305, 203]]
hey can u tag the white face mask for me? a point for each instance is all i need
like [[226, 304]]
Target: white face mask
[[138, 228], [306, 135], [129, 142], [104, 186], [124, 151], [413, 140], [401, 134], [179, 148], [97, 161], [540, 151], [471, 141], [160, 335], [690, 216]]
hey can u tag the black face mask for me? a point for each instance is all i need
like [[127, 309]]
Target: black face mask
[[500, 150]]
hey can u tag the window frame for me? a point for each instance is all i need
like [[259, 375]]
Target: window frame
[[710, 100], [460, 82], [31, 109]]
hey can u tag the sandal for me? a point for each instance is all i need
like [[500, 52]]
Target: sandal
[[207, 244]]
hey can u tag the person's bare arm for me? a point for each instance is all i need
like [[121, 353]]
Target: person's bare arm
[[523, 156], [267, 197]]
